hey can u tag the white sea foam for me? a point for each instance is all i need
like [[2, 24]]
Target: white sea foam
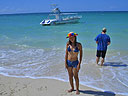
[[43, 63]]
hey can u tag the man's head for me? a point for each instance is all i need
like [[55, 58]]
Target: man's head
[[104, 30]]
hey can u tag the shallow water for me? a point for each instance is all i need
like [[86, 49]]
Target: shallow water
[[28, 49]]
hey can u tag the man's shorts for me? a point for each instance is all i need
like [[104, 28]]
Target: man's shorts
[[101, 53]]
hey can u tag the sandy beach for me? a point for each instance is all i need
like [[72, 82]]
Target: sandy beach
[[12, 86]]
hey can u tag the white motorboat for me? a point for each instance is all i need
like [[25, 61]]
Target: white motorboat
[[61, 18]]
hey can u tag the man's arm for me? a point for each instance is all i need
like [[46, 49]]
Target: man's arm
[[109, 40], [96, 39]]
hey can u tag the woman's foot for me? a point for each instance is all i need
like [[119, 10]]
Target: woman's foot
[[70, 90], [77, 92]]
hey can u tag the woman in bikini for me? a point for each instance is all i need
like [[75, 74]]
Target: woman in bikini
[[72, 64]]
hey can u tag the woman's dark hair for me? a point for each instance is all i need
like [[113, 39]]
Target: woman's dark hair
[[70, 43]]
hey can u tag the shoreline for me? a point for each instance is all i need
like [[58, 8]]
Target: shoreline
[[13, 86]]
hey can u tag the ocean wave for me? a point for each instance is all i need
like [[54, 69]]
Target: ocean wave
[[49, 63]]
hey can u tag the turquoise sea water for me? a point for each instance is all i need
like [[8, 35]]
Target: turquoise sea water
[[28, 49]]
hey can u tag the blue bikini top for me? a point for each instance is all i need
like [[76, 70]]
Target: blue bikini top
[[76, 49]]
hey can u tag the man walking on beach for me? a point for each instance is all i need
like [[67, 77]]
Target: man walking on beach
[[102, 40]]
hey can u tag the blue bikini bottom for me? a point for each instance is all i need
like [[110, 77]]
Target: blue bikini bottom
[[72, 63]]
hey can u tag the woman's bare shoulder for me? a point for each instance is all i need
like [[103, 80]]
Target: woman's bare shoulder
[[67, 44], [79, 44]]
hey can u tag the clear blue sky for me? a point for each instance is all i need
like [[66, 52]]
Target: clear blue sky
[[35, 6]]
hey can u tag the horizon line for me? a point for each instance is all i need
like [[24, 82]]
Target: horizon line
[[51, 12]]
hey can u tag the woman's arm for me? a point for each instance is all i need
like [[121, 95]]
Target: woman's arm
[[81, 54], [66, 56], [80, 58]]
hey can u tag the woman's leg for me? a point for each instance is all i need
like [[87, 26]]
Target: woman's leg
[[70, 73], [75, 73]]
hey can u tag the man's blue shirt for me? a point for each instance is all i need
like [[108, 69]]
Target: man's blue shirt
[[103, 40]]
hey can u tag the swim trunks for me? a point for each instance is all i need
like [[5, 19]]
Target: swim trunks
[[101, 53]]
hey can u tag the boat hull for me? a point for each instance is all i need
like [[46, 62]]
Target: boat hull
[[57, 22]]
